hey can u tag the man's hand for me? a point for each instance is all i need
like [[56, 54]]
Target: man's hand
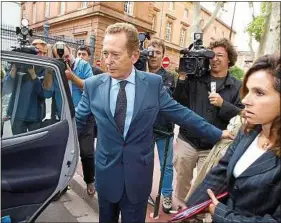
[[215, 99], [182, 76], [31, 71], [69, 74], [5, 118], [227, 135], [75, 79], [214, 203], [13, 71], [48, 80]]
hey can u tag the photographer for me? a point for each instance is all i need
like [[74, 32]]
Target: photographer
[[161, 123], [217, 107], [24, 108], [41, 46], [77, 70], [28, 116]]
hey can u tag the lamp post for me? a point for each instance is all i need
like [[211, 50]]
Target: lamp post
[[92, 47], [46, 28]]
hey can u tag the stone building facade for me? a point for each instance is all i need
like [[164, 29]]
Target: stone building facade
[[170, 21]]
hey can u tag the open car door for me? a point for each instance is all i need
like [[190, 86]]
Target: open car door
[[39, 150]]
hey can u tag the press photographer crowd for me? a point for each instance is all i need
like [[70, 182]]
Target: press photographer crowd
[[226, 154]]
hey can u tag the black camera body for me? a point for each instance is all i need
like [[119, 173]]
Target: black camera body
[[195, 61], [26, 49], [144, 53]]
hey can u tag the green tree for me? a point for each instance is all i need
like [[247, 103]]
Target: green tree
[[273, 36], [237, 72], [197, 19], [260, 26], [256, 27], [175, 74]]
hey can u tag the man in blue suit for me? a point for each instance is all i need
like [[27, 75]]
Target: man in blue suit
[[125, 103]]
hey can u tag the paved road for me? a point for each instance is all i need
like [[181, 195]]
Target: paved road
[[70, 208]]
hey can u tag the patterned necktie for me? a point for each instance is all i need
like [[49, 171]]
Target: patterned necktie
[[121, 107]]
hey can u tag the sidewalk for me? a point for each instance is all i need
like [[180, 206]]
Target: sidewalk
[[79, 187]]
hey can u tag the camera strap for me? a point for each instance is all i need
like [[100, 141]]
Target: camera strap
[[220, 83]]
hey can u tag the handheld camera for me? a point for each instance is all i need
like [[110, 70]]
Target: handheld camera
[[144, 53], [195, 60]]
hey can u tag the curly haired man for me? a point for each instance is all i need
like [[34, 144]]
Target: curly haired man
[[216, 105]]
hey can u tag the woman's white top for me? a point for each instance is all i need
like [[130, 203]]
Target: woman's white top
[[250, 155]]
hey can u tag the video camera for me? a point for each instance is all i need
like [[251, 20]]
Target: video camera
[[144, 53], [24, 45], [60, 51], [195, 60]]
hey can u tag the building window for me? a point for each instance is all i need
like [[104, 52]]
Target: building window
[[153, 22], [84, 5], [172, 6], [215, 29], [34, 12], [129, 8], [222, 33], [62, 8], [185, 14], [80, 41], [182, 37], [168, 32], [47, 9], [24, 13]]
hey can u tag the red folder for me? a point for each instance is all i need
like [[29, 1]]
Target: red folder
[[194, 210]]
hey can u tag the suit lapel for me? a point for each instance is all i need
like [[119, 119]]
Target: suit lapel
[[140, 92], [240, 149], [105, 95]]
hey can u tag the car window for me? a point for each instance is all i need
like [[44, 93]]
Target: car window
[[31, 97]]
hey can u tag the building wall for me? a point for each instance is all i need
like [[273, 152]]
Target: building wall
[[164, 14], [81, 23], [244, 60]]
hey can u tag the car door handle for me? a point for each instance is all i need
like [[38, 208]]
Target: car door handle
[[5, 186]]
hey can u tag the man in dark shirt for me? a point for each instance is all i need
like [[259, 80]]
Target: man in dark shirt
[[155, 66], [84, 53]]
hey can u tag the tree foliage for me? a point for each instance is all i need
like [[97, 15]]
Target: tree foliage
[[237, 72], [257, 27]]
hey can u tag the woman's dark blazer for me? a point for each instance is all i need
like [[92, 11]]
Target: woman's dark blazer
[[254, 196]]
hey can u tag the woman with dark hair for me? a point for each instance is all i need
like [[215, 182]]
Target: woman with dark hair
[[250, 169]]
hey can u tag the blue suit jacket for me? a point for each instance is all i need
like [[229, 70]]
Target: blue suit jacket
[[128, 163], [254, 196]]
